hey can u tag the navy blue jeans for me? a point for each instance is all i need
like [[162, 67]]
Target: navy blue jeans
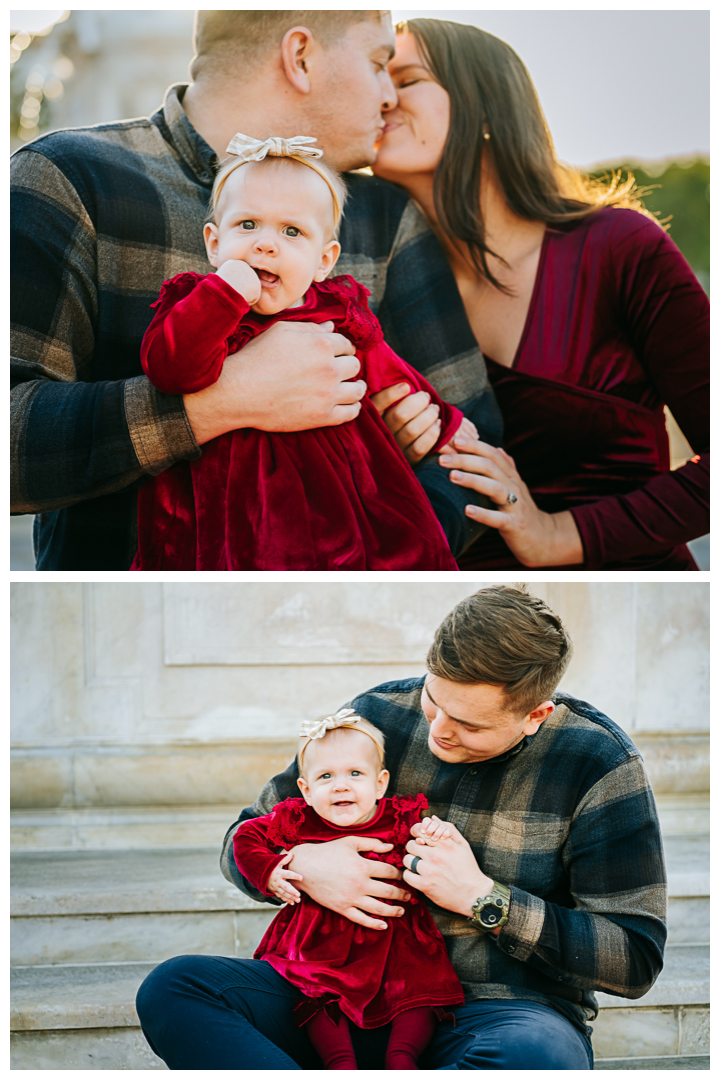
[[216, 1012]]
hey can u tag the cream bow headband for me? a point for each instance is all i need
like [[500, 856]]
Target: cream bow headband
[[249, 149], [245, 148], [346, 718], [317, 729]]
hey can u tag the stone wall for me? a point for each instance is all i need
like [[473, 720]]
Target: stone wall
[[120, 690]]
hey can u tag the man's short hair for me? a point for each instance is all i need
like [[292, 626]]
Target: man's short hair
[[246, 38], [503, 636]]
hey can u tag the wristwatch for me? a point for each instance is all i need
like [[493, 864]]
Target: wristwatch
[[491, 911]]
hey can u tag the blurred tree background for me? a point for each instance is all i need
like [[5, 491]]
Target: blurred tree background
[[678, 190]]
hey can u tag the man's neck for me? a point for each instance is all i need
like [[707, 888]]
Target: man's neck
[[217, 112]]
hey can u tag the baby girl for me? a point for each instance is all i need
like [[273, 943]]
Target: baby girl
[[335, 498], [399, 976]]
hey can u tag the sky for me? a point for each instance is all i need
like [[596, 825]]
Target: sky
[[614, 85]]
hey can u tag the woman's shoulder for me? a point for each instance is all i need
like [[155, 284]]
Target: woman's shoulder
[[618, 225], [621, 242]]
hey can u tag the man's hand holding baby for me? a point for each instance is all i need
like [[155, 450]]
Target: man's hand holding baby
[[243, 279], [336, 875], [447, 872]]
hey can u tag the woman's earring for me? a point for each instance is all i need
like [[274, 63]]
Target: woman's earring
[[486, 135]]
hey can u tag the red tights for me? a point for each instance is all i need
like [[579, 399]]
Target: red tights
[[410, 1033]]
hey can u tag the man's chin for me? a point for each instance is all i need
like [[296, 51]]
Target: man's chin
[[446, 753], [359, 160]]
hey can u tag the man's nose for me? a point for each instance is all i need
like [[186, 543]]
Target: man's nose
[[441, 727], [389, 93]]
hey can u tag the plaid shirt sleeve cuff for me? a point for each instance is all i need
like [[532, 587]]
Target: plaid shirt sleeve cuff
[[521, 932], [158, 426]]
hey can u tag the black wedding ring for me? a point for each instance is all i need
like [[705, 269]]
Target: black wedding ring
[[413, 864]]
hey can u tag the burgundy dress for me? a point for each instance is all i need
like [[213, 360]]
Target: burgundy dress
[[372, 975], [618, 326], [334, 498]]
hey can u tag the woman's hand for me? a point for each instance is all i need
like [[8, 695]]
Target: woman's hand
[[534, 537], [336, 876], [412, 419]]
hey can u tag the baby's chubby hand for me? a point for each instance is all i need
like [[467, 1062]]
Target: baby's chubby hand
[[279, 881], [243, 279], [467, 430], [432, 830]]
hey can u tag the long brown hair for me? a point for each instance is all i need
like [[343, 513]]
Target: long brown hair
[[489, 86]]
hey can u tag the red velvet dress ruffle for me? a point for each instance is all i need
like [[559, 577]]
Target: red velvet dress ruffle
[[334, 498], [372, 975], [618, 327]]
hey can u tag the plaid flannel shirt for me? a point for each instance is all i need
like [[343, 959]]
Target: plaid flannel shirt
[[101, 217], [566, 820]]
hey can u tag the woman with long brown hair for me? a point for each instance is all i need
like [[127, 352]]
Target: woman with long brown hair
[[589, 318]]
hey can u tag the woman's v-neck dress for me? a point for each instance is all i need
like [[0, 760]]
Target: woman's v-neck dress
[[618, 327]]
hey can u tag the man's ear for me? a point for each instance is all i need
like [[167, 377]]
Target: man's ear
[[296, 49], [210, 235], [330, 255], [534, 719]]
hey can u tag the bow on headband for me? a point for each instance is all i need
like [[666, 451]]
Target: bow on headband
[[249, 149], [317, 729]]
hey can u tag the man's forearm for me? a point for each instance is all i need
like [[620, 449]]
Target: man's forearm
[[76, 441]]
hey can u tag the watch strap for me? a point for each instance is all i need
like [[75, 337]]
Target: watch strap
[[499, 901]]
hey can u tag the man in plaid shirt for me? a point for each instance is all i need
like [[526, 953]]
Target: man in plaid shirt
[[557, 889], [103, 215]]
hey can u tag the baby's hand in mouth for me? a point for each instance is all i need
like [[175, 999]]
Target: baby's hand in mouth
[[241, 276]]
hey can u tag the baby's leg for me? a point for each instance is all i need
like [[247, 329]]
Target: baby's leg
[[411, 1032], [332, 1041]]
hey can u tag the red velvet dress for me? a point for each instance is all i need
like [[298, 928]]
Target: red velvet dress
[[334, 498], [617, 327], [372, 974]]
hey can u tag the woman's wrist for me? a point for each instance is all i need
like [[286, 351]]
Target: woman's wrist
[[566, 544]]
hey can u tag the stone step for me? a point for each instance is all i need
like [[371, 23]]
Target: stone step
[[189, 879], [90, 907], [120, 827], [83, 1016], [684, 980], [684, 814], [114, 906], [97, 828], [207, 772]]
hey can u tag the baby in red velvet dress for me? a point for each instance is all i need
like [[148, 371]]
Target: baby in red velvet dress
[[344, 971], [334, 498]]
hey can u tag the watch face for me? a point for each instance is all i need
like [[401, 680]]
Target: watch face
[[490, 915]]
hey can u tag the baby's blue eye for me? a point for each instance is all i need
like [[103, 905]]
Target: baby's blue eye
[[292, 230], [247, 224]]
